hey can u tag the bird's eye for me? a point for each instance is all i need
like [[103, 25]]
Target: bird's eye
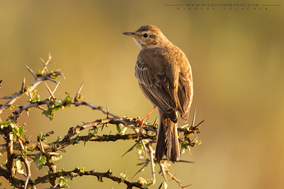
[[145, 35]]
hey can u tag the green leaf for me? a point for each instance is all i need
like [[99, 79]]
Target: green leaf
[[7, 122], [36, 98], [118, 128], [139, 146], [41, 137], [26, 152], [49, 113], [4, 164], [56, 108], [183, 144], [69, 177], [26, 138], [21, 130], [39, 161], [58, 101], [41, 73], [148, 184]]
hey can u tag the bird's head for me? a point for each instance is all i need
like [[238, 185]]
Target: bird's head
[[147, 37]]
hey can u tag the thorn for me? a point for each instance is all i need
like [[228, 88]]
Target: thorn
[[41, 146], [184, 161], [42, 60], [27, 113], [56, 87], [50, 92], [30, 95], [151, 152], [49, 55], [147, 119], [80, 88], [144, 146], [162, 166], [130, 148], [107, 113], [187, 186], [160, 185], [30, 70], [48, 78], [199, 123], [23, 84], [140, 170], [60, 73], [6, 97], [193, 119], [155, 121], [194, 140], [45, 63], [41, 108]]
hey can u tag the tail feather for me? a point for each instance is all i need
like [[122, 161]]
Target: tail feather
[[161, 145], [167, 141]]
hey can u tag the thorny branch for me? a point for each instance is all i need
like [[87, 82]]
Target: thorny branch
[[20, 148]]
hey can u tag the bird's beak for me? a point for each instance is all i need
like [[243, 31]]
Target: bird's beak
[[131, 34]]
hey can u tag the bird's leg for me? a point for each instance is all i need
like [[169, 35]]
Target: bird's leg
[[142, 120]]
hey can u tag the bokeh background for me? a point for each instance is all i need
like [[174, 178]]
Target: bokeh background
[[238, 67]]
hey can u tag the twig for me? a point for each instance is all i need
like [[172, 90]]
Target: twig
[[99, 175]]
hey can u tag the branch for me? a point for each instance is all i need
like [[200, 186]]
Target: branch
[[44, 154], [78, 172], [38, 79]]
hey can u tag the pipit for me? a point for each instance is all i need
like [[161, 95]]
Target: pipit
[[165, 78]]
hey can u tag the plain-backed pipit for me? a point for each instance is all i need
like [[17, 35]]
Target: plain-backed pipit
[[164, 76]]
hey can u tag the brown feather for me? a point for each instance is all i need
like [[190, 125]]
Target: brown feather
[[164, 76]]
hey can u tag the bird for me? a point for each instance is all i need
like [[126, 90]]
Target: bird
[[165, 78]]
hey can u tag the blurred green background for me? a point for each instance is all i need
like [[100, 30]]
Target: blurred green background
[[238, 69]]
